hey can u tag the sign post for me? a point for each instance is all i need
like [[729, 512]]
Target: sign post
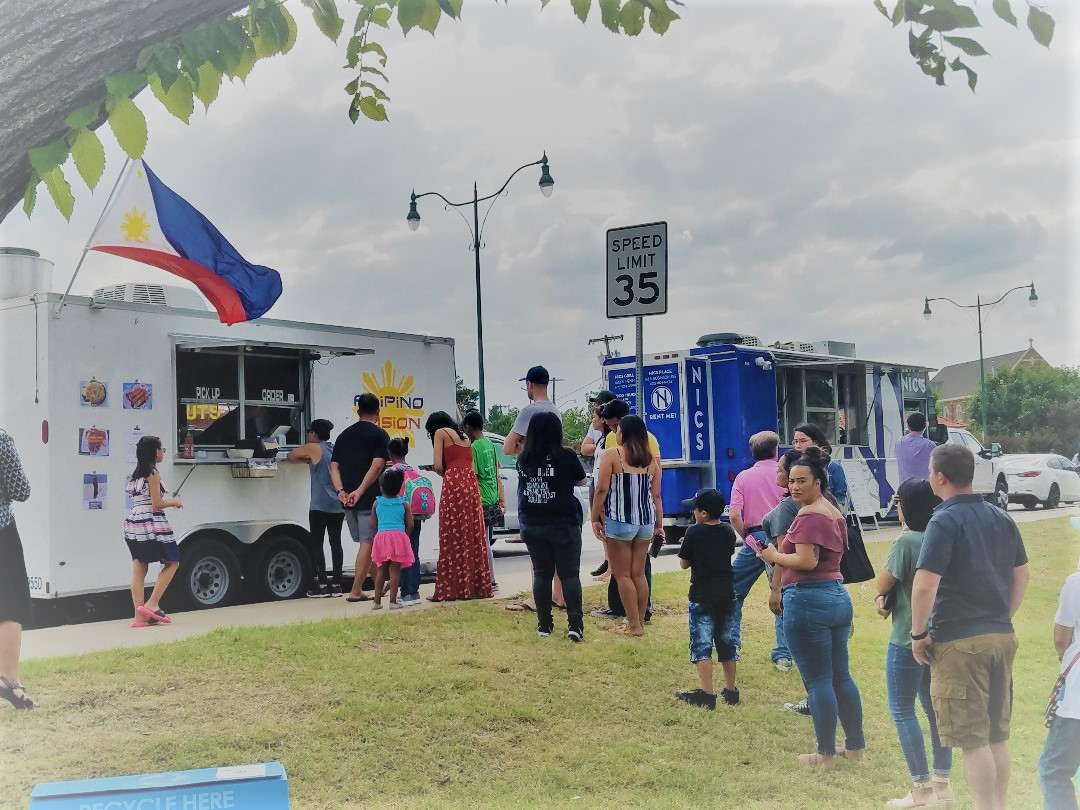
[[637, 283]]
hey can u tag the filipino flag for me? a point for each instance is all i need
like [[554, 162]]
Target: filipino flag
[[150, 223]]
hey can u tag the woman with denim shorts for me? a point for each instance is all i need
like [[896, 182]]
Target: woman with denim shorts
[[626, 514], [818, 611]]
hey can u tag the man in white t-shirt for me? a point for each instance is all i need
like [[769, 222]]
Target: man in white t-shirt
[[1061, 756]]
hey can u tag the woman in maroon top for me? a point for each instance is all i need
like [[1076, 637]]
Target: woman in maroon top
[[817, 609]]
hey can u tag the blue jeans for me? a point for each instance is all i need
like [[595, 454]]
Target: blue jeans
[[905, 680], [704, 635], [746, 569], [1058, 763], [410, 577], [817, 623], [555, 549]]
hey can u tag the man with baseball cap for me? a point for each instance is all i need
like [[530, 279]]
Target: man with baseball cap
[[536, 382]]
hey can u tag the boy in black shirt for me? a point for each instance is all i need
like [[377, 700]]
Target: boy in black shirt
[[706, 550]]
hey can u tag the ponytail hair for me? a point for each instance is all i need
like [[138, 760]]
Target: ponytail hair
[[399, 447]]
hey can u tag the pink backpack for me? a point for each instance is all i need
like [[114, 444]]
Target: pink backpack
[[418, 493]]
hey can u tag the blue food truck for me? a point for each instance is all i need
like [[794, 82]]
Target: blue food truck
[[704, 403]]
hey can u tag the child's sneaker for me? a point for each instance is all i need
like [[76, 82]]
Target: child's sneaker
[[802, 707], [697, 697], [784, 664], [576, 634], [544, 630], [730, 696], [335, 590]]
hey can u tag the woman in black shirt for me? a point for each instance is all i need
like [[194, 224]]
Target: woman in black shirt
[[550, 517]]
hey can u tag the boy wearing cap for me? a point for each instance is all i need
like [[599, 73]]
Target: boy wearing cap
[[536, 386]]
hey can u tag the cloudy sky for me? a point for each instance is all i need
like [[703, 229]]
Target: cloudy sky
[[815, 183]]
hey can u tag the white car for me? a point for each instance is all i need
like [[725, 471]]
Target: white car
[[990, 480], [509, 475], [1047, 479]]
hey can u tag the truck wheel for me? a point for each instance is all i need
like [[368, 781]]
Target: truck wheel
[[1000, 498], [1053, 500], [283, 569], [209, 574]]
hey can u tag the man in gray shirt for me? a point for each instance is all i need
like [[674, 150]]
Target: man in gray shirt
[[536, 386]]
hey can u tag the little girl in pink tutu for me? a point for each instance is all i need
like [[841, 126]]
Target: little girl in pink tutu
[[392, 550]]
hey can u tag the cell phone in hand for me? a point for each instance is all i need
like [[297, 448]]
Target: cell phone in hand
[[656, 544], [754, 544]]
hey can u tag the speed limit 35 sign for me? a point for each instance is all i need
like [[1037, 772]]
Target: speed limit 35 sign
[[637, 270]]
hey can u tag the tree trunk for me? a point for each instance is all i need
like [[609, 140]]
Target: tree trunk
[[55, 55]]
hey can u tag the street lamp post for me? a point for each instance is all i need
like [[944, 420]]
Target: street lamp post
[[1033, 299], [476, 230]]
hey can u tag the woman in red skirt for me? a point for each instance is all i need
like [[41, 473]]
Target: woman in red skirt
[[463, 571]]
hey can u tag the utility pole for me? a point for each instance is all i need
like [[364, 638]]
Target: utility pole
[[553, 381], [606, 340]]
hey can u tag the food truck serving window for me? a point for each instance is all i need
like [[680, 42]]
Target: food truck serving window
[[231, 393]]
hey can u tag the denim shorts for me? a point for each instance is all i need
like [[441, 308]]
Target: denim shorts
[[626, 532], [706, 628]]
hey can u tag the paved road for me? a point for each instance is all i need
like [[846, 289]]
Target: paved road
[[512, 570]]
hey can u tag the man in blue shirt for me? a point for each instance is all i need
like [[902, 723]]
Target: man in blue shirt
[[970, 581], [913, 450]]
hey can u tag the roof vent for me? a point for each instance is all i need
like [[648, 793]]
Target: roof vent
[[726, 338], [159, 295]]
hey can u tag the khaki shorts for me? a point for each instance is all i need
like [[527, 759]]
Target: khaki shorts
[[971, 688]]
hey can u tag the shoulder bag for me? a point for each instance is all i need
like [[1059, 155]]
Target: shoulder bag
[[1055, 693]]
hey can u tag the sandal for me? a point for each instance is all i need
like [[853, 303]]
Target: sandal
[[363, 597], [599, 572], [140, 623], [517, 607], [158, 616], [910, 801], [815, 760], [15, 694]]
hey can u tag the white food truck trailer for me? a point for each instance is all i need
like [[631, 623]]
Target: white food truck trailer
[[82, 385]]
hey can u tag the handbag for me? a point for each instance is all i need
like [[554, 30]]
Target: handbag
[[494, 516], [1055, 693], [855, 565]]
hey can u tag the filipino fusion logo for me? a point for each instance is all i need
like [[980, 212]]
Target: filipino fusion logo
[[400, 409]]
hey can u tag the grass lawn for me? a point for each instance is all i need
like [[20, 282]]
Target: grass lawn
[[466, 707]]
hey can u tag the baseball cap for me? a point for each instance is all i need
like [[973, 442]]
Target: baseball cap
[[537, 375], [616, 409], [601, 397]]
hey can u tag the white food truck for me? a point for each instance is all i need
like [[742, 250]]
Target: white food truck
[[81, 386]]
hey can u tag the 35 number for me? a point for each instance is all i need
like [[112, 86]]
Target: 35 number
[[645, 282]]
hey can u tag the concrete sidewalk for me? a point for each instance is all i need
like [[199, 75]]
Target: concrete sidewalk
[[513, 575]]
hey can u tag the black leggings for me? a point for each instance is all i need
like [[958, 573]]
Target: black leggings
[[330, 524]]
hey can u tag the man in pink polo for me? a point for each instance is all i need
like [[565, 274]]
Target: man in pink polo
[[753, 495]]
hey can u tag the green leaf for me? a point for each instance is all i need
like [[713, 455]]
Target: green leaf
[[898, 13], [609, 15], [581, 8], [452, 7], [352, 51], [128, 125], [209, 84], [432, 14], [290, 23], [972, 76], [370, 107], [660, 18], [30, 195], [379, 94], [1004, 10], [125, 84], [1041, 25], [164, 64], [949, 18], [352, 87], [376, 71], [248, 58], [178, 99], [60, 191], [46, 158], [632, 17], [375, 47], [354, 112], [190, 68], [89, 157], [409, 13], [880, 6], [381, 16], [916, 44], [84, 116], [327, 17], [968, 46]]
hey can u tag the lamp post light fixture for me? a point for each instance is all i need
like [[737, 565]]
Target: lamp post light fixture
[[476, 231], [1033, 300]]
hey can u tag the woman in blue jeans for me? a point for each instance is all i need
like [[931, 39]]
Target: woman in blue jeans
[[817, 610], [905, 678]]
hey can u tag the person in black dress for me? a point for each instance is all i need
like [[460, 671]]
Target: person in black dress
[[14, 588]]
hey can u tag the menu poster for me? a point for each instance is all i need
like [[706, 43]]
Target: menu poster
[[138, 396], [93, 441], [133, 437], [93, 394], [95, 491]]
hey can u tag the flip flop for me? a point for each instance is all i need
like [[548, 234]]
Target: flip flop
[[517, 607], [361, 598], [158, 615], [139, 623]]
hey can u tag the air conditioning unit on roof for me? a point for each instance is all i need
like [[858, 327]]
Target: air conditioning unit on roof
[[162, 295]]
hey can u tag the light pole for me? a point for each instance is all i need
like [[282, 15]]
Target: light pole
[[476, 230], [1033, 299]]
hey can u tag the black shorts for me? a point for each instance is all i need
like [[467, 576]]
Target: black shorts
[[153, 551]]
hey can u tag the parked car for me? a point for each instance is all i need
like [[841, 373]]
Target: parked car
[[1047, 479], [509, 475], [990, 480]]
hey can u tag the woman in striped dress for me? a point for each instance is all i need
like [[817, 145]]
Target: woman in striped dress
[[147, 532], [626, 513]]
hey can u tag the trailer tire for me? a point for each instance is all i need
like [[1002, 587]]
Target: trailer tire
[[209, 575], [282, 569]]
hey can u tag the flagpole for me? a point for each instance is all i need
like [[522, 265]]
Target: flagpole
[[59, 308]]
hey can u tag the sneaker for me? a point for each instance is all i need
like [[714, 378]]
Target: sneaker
[[335, 590], [784, 664], [730, 696], [576, 634], [802, 707], [319, 592], [697, 697], [544, 632]]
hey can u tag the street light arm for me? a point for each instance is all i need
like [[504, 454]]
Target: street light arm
[[1014, 289], [494, 197], [454, 206], [984, 303], [958, 306]]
